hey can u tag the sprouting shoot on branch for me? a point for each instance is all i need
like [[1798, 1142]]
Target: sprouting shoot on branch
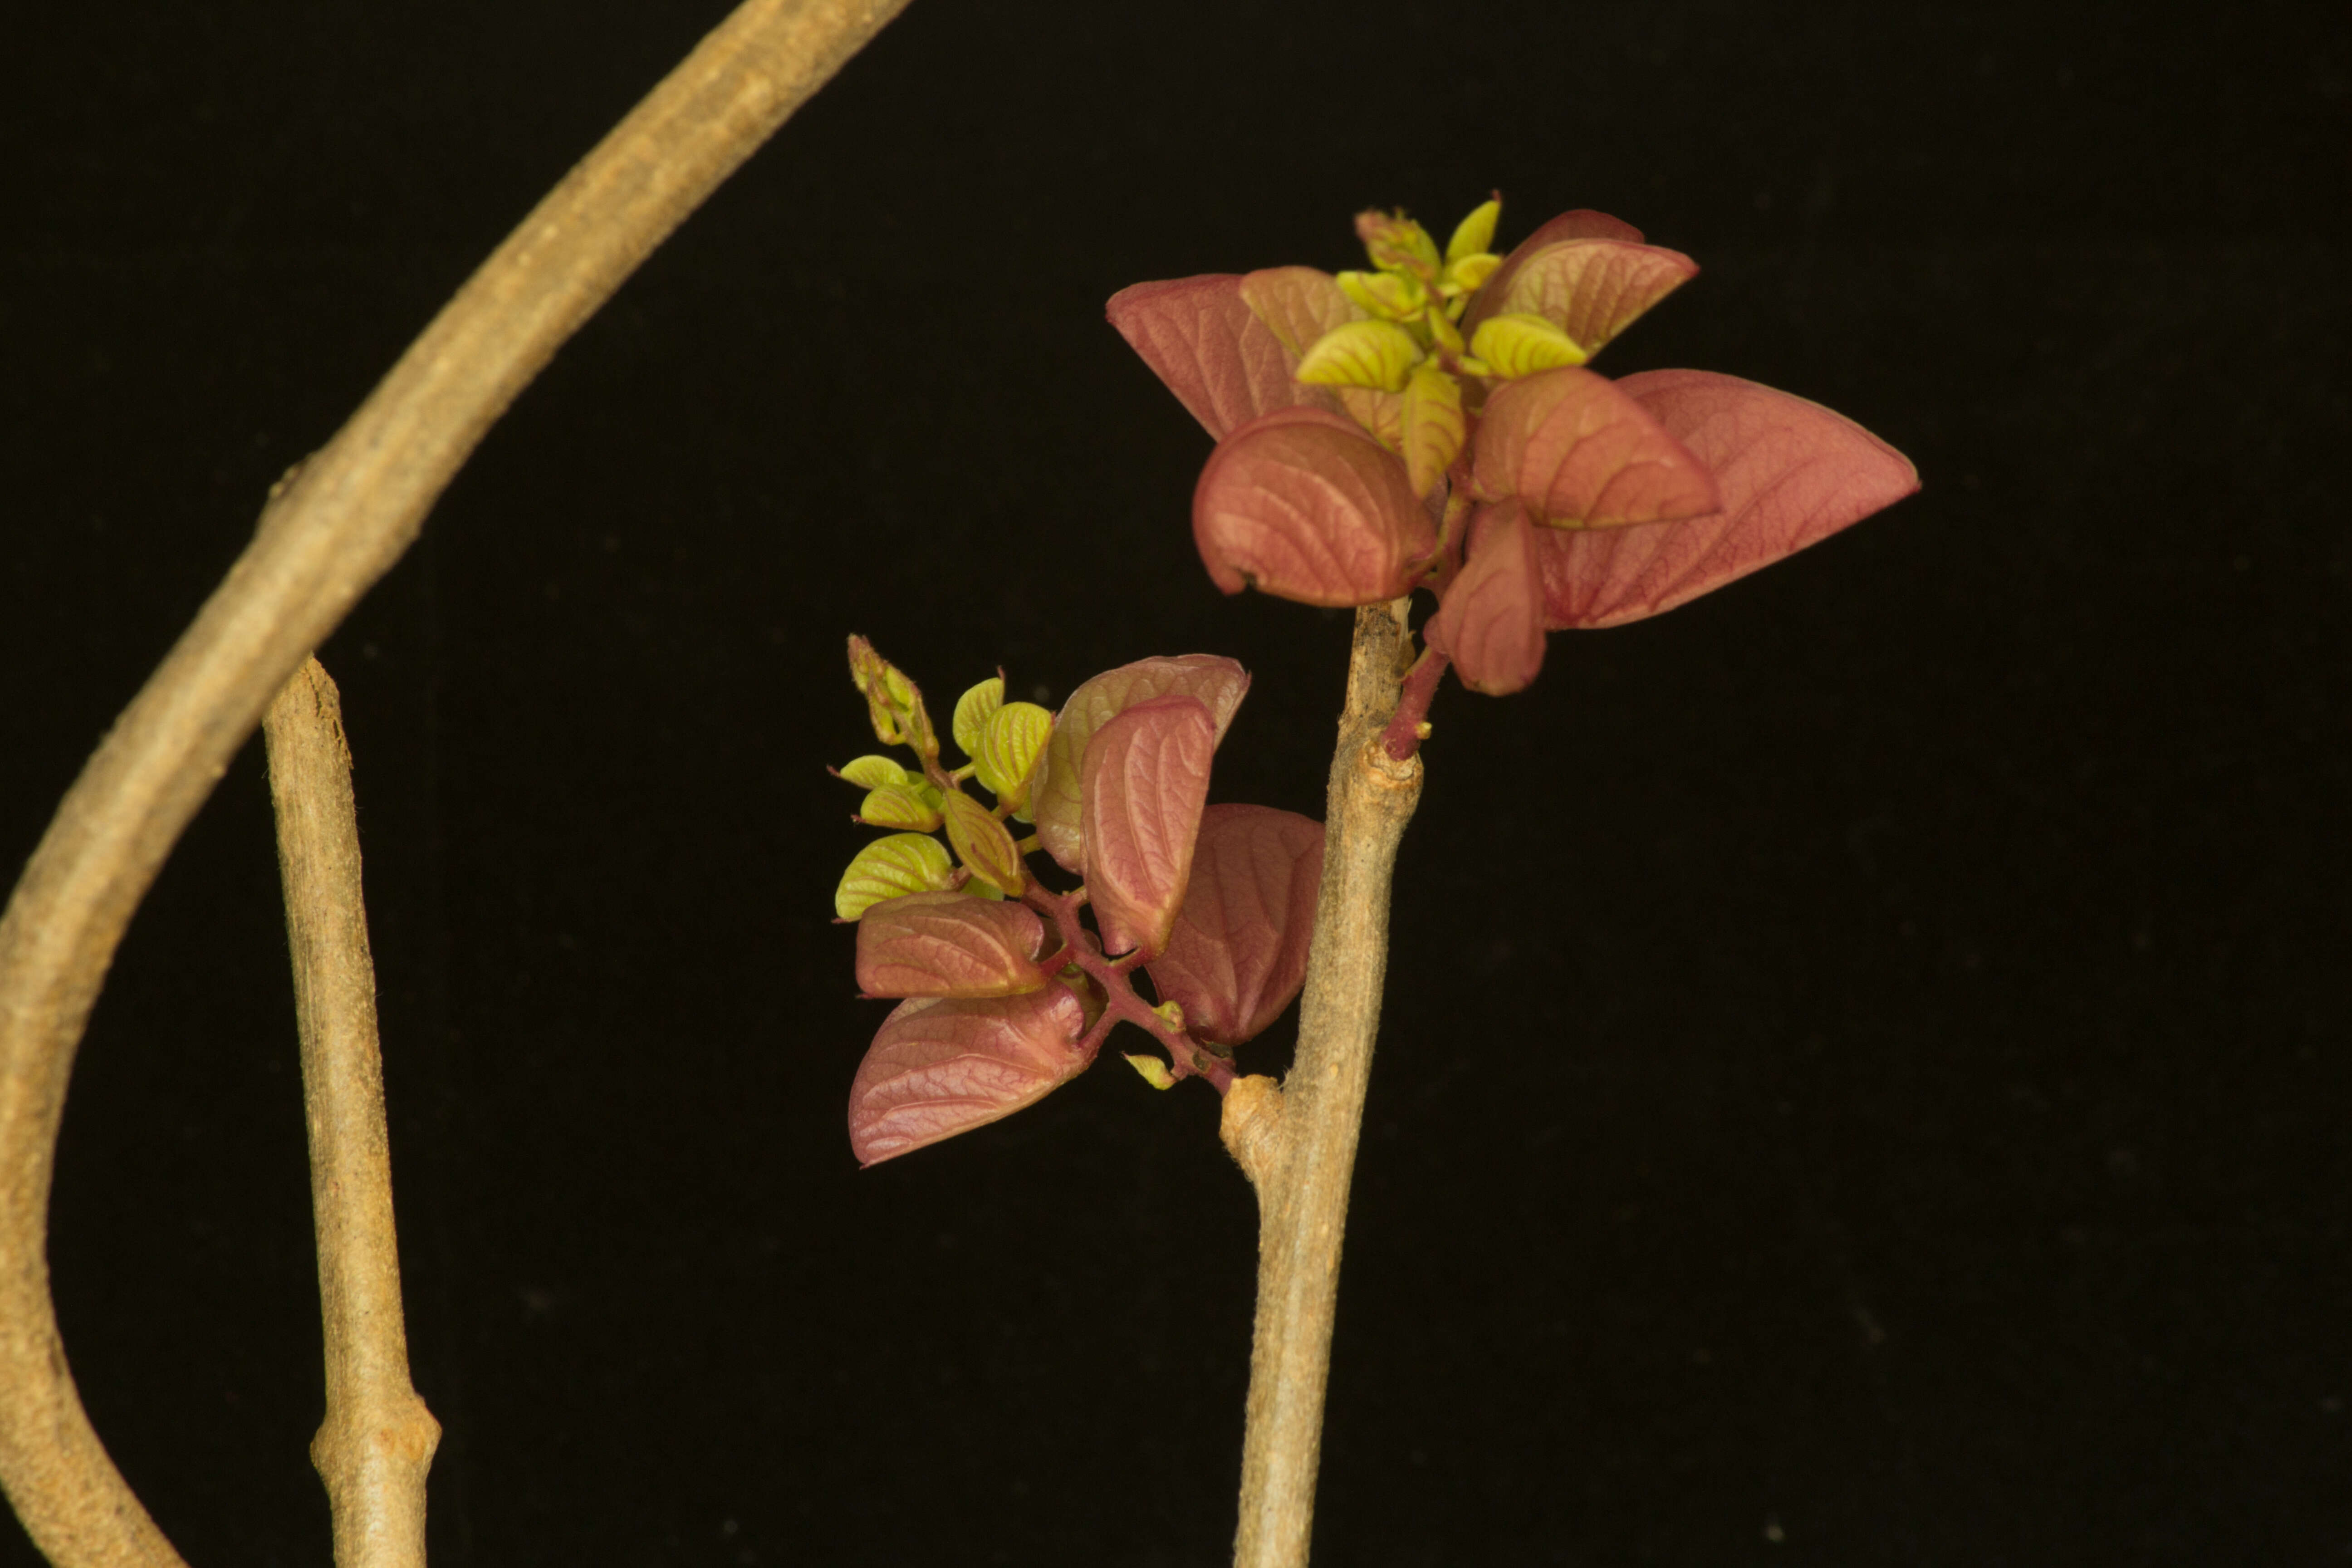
[[1428, 423]]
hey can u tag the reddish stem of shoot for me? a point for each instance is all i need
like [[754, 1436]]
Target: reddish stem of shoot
[[1186, 1057], [1402, 739]]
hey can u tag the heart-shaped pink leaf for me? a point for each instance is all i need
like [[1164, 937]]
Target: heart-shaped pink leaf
[[1581, 224], [937, 1068], [1583, 453], [1491, 623], [1304, 505], [1217, 682], [949, 944], [1238, 952], [1789, 472], [1145, 780], [1199, 336], [1591, 288]]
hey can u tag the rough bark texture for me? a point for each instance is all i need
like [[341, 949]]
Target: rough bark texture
[[377, 1441], [1297, 1143], [332, 529]]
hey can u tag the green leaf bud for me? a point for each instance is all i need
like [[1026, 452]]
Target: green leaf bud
[[972, 710], [1521, 344], [983, 846], [865, 667], [895, 805], [1397, 244], [892, 701], [1010, 744], [1374, 354], [891, 868]]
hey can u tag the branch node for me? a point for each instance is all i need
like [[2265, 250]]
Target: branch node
[[1252, 1128]]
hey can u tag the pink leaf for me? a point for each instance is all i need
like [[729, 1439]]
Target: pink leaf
[[949, 944], [1304, 505], [1220, 360], [1590, 288], [1219, 683], [1238, 952], [1581, 224], [1583, 453], [1789, 472], [939, 1067], [1298, 304], [1491, 624], [1145, 778]]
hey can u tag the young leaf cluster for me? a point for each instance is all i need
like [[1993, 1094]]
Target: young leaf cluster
[[1005, 991], [1430, 423]]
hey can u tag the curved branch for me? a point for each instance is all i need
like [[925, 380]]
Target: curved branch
[[1297, 1143], [377, 1441], [330, 531]]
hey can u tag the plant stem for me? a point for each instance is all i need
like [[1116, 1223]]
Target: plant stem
[[1402, 738], [377, 1440], [1297, 1142], [332, 529], [1185, 1054]]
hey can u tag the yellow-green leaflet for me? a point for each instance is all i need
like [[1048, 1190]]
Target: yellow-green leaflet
[[1476, 233], [1378, 354], [1009, 746], [1434, 426], [1522, 343], [972, 710], [982, 843], [874, 772], [899, 806], [890, 869]]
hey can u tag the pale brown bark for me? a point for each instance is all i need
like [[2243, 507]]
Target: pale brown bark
[[1297, 1143], [329, 531], [377, 1440]]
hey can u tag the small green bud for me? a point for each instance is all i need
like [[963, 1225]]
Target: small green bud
[[892, 700], [1153, 1071], [865, 667], [1010, 744], [972, 710], [1376, 355], [872, 771], [1397, 244], [1475, 234], [982, 843], [1521, 344], [1170, 1013], [897, 805], [892, 867]]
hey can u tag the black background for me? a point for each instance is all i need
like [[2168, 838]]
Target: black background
[[1862, 1080]]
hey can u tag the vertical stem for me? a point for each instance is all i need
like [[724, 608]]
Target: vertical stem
[[1297, 1143], [377, 1441], [336, 528]]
